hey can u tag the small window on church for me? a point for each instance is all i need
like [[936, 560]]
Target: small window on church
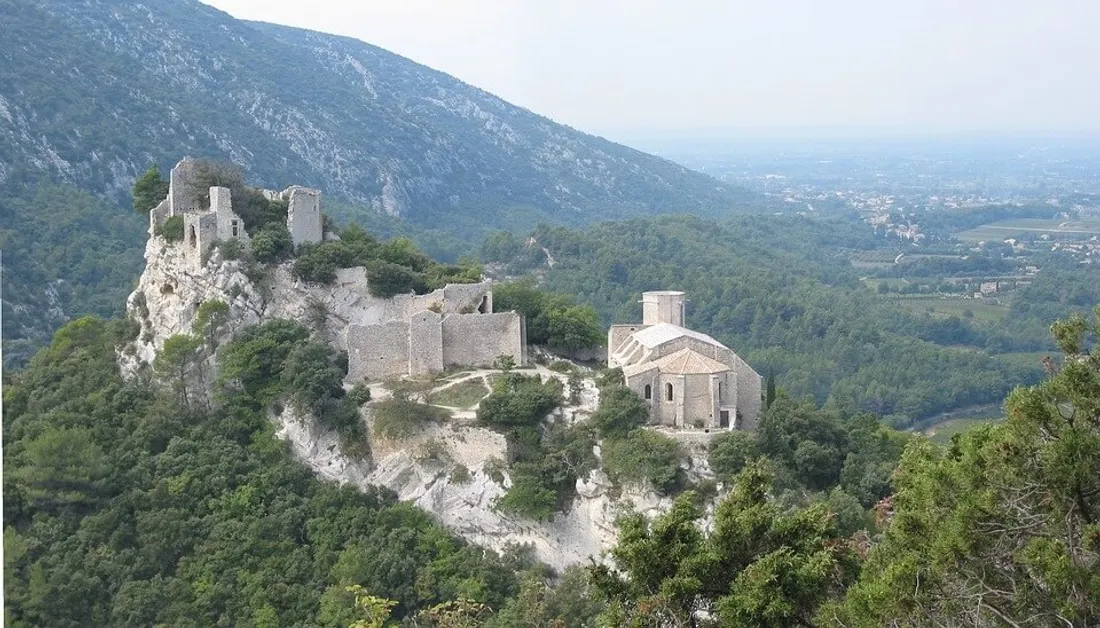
[[233, 226], [648, 392], [194, 238], [719, 391], [668, 391]]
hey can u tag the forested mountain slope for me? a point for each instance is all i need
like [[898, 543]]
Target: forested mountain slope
[[774, 289], [92, 92]]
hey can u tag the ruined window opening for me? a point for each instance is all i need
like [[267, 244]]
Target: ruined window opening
[[233, 227], [167, 289], [194, 239], [484, 307], [668, 391], [648, 392]]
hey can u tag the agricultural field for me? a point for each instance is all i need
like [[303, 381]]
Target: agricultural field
[[985, 310], [1055, 228], [873, 260]]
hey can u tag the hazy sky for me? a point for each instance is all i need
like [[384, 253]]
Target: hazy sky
[[630, 67]]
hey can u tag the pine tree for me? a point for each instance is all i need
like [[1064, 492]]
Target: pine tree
[[149, 190]]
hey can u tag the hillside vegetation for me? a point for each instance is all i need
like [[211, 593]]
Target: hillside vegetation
[[777, 291], [92, 93], [128, 503]]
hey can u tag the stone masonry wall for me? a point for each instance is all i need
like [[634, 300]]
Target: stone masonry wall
[[478, 339], [180, 193], [200, 232], [749, 382], [618, 334], [221, 204], [378, 352], [467, 298], [304, 215], [425, 343], [159, 214]]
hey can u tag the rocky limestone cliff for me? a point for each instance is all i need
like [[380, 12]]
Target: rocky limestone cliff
[[422, 469]]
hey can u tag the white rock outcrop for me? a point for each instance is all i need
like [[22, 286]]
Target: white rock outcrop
[[426, 470]]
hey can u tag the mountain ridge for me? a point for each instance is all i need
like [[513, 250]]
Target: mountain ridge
[[368, 126]]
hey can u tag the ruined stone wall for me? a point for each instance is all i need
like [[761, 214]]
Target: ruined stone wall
[[230, 224], [467, 298], [478, 339], [304, 215], [378, 352], [200, 232], [159, 214], [181, 195], [425, 343]]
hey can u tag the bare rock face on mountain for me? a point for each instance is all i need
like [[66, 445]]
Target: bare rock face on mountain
[[117, 85]]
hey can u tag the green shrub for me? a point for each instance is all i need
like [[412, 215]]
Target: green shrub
[[620, 411], [316, 263], [171, 229], [149, 190], [230, 249], [528, 497], [387, 279], [561, 366], [519, 401], [730, 452], [272, 244], [644, 456], [359, 393], [460, 474], [553, 319]]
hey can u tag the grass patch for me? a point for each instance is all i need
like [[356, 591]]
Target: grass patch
[[399, 418], [982, 310], [943, 431], [462, 395]]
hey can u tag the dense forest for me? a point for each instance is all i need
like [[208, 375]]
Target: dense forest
[[132, 503], [777, 291]]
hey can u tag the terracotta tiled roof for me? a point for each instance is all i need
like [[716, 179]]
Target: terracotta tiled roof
[[687, 361]]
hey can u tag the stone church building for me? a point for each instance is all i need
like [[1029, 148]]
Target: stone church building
[[689, 379]]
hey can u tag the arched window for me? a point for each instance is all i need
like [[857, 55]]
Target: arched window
[[668, 391], [648, 392], [194, 239]]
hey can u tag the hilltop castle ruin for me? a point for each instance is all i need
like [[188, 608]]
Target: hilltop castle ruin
[[204, 227], [405, 335]]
